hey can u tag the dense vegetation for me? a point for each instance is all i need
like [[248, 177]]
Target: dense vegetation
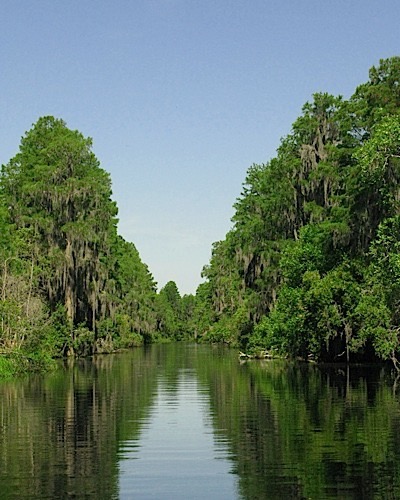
[[311, 266], [69, 284]]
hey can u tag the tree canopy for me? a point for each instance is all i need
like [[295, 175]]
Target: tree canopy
[[70, 284], [310, 265], [310, 268]]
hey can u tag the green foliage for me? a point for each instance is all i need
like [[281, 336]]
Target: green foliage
[[312, 260], [55, 189], [135, 300], [176, 313], [378, 313], [310, 267], [82, 341], [317, 249], [377, 98], [69, 284], [203, 315], [8, 367], [232, 330]]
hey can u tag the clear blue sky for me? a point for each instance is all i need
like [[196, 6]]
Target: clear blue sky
[[181, 97]]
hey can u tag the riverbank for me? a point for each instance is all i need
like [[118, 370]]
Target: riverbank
[[17, 363]]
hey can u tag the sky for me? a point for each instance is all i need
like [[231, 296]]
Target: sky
[[181, 97]]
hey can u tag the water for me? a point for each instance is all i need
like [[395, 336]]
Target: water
[[185, 422], [176, 454]]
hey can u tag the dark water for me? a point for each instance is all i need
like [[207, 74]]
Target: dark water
[[187, 421]]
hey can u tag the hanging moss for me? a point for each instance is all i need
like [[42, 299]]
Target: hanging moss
[[55, 189], [298, 257]]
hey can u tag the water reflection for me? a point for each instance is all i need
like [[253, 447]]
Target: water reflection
[[176, 456], [310, 432], [59, 433], [184, 421]]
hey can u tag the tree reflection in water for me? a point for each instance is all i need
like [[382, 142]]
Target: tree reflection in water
[[284, 430]]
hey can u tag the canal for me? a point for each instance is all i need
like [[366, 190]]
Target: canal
[[185, 421]]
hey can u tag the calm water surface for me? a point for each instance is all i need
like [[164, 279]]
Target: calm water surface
[[186, 421]]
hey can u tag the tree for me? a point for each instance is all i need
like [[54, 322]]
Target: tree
[[315, 234], [55, 188], [134, 320], [374, 190], [377, 98], [170, 322]]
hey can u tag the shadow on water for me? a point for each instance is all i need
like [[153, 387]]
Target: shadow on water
[[285, 430]]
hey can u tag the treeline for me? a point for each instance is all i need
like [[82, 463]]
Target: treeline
[[311, 266], [69, 284]]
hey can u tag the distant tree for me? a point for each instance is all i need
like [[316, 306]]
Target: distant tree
[[171, 314]]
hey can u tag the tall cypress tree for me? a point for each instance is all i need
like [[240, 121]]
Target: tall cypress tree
[[55, 187]]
